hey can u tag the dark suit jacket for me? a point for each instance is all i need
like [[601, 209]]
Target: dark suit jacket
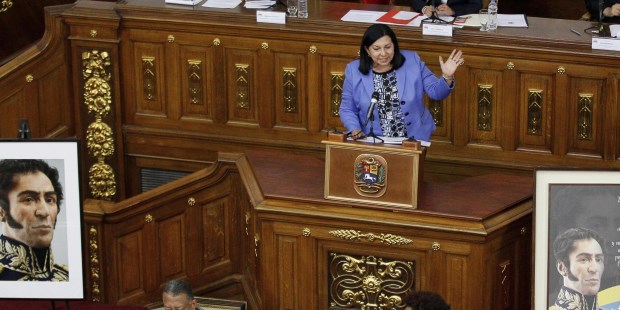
[[592, 6], [460, 7]]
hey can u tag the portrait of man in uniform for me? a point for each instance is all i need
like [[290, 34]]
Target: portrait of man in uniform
[[31, 195]]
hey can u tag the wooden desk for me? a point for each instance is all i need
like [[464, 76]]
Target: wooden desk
[[469, 240]]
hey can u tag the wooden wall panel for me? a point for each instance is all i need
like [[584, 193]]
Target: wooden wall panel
[[291, 107], [149, 80], [217, 231], [54, 108], [287, 258], [196, 85], [535, 107], [586, 117], [171, 241], [129, 268], [243, 84]]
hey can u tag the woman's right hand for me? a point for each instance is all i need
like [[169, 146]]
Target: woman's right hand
[[356, 134]]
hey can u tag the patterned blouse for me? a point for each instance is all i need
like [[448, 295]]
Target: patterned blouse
[[390, 115]]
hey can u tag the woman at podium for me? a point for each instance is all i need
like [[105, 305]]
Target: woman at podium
[[383, 91]]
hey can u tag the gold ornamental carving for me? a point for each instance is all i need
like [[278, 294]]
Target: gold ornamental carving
[[149, 77], [99, 135], [194, 72], [191, 201], [368, 282], [243, 86], [290, 89], [335, 90], [436, 246], [94, 264], [306, 232], [485, 107], [171, 38], [585, 115], [101, 181], [523, 230], [93, 33], [436, 109], [264, 45], [561, 70], [313, 49], [217, 41], [248, 216], [351, 234], [148, 218], [534, 112], [510, 65], [256, 244], [29, 78], [5, 5]]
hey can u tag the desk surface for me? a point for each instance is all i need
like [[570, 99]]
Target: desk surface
[[302, 177], [325, 15]]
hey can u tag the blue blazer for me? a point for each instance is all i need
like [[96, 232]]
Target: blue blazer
[[413, 79]]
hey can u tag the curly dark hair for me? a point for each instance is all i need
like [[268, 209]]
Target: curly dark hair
[[423, 300], [9, 168]]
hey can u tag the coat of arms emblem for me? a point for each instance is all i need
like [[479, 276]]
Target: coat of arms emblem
[[370, 175]]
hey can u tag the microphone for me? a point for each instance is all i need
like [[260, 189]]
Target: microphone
[[600, 10], [371, 108]]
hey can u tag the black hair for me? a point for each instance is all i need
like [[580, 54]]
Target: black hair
[[176, 287], [564, 243], [372, 34], [424, 300], [9, 168]]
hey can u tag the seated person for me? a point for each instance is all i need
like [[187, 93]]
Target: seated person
[[448, 7], [422, 300], [611, 10]]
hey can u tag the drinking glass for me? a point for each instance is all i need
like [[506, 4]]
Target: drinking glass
[[483, 16], [291, 8]]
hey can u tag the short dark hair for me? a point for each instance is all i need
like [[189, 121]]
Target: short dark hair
[[424, 300], [9, 168], [564, 243], [176, 287], [372, 34]]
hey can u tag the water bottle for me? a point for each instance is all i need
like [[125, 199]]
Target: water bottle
[[492, 23], [302, 9]]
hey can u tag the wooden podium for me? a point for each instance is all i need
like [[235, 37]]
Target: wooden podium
[[378, 174]]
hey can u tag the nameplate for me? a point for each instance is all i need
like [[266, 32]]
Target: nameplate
[[444, 30], [609, 44], [271, 17]]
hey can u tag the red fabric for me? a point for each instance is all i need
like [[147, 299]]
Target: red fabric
[[13, 304]]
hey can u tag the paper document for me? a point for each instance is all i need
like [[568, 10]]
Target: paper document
[[388, 140], [511, 20], [362, 16], [223, 4], [259, 4]]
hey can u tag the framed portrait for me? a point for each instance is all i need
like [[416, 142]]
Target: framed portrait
[[577, 239], [40, 220]]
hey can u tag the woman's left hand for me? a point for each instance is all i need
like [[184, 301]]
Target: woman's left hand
[[452, 63]]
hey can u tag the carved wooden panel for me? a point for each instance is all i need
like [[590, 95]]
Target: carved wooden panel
[[171, 238], [287, 258], [196, 85], [535, 106], [54, 112], [216, 223], [331, 80], [11, 110], [149, 73], [290, 89], [485, 107], [242, 85], [587, 111], [130, 268]]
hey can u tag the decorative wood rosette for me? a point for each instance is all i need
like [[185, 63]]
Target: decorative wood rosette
[[99, 135]]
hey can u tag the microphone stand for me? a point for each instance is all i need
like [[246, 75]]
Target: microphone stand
[[371, 133], [599, 28]]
